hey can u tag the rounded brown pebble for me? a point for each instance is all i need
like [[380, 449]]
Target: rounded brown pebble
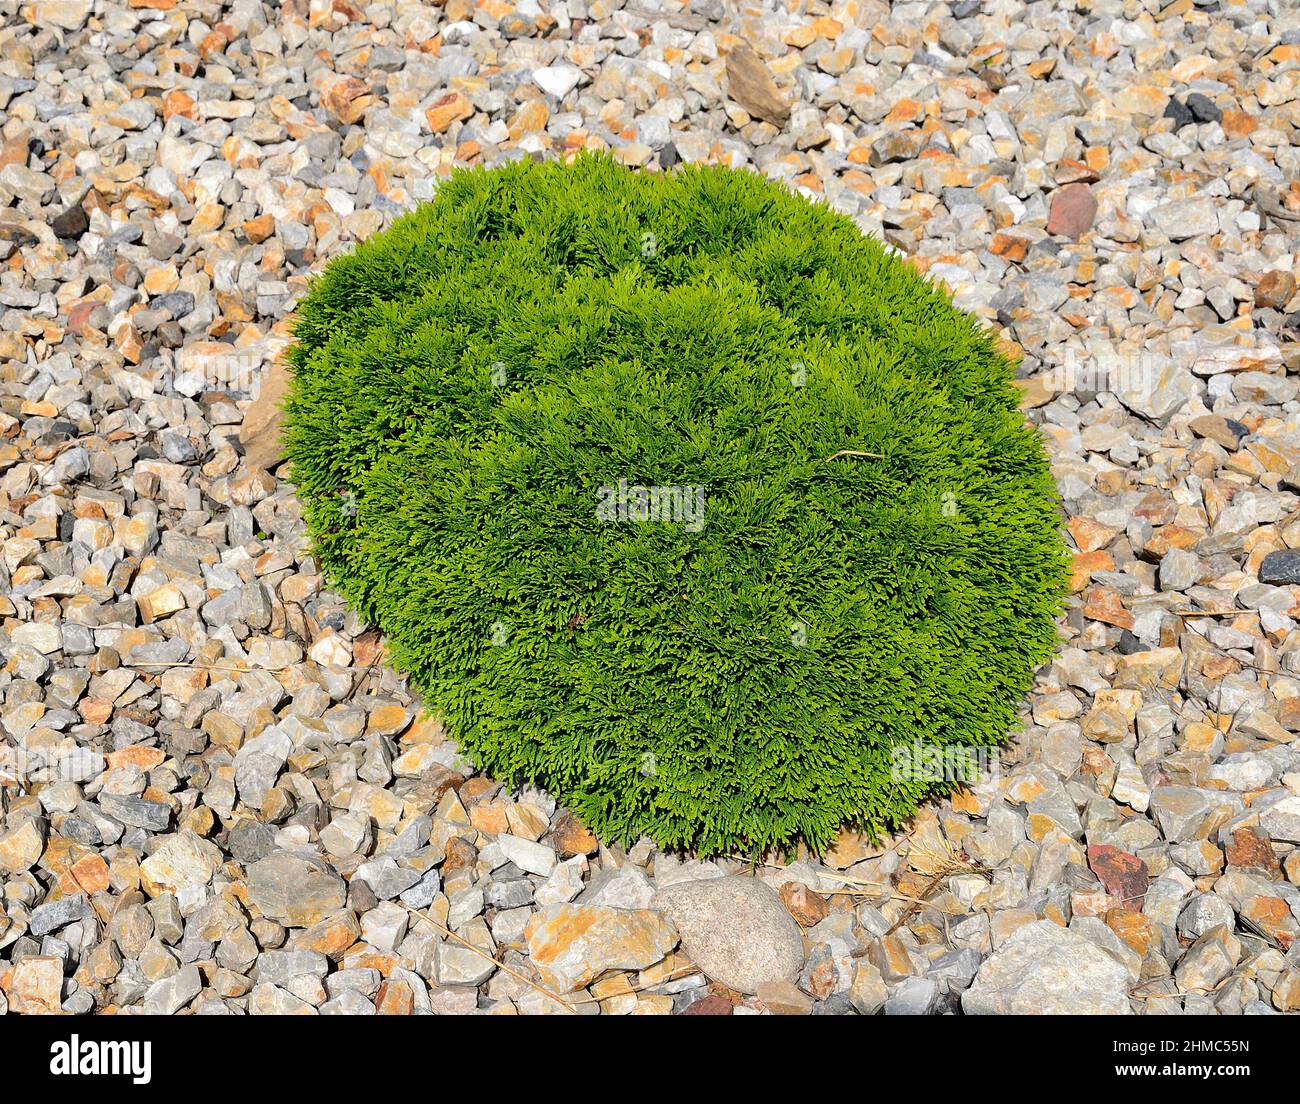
[[808, 908]]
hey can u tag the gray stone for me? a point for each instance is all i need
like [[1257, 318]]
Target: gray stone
[[457, 965], [1280, 568], [914, 996], [136, 811], [619, 887], [386, 878], [735, 929], [1203, 912], [169, 995], [1178, 569], [57, 914], [1209, 960], [1281, 820], [280, 967], [1180, 811], [258, 764], [1044, 969], [297, 889], [1157, 388], [1186, 218]]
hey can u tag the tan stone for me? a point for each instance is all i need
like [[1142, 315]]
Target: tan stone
[[1275, 289], [37, 985], [257, 230], [851, 847], [159, 603], [160, 280], [183, 863], [750, 84], [347, 99], [331, 936], [415, 761], [21, 847], [531, 118], [571, 837], [572, 945], [331, 650], [526, 821], [388, 720], [782, 998], [260, 431], [447, 109]]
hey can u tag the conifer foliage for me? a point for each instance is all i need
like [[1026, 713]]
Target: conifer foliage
[[678, 496]]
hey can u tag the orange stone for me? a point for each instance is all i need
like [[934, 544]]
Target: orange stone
[[207, 218], [1106, 605], [1089, 535], [808, 908], [395, 998], [257, 230], [91, 874], [531, 118], [478, 789], [1084, 564], [1010, 246], [905, 111], [179, 103], [367, 647], [214, 42], [15, 150], [490, 817], [79, 316], [448, 108], [850, 847], [95, 710], [160, 280], [136, 755], [1133, 927], [331, 936], [367, 958], [1170, 536], [571, 837], [1273, 916], [1251, 850], [347, 99], [1237, 124]]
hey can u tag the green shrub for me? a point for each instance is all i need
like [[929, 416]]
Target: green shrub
[[475, 389]]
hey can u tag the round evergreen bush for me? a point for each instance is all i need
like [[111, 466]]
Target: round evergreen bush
[[676, 495]]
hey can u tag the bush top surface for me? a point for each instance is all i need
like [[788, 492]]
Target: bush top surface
[[677, 495]]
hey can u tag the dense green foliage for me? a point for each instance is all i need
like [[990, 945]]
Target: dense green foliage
[[468, 381]]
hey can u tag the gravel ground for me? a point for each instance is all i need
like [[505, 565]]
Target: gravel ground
[[216, 799]]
